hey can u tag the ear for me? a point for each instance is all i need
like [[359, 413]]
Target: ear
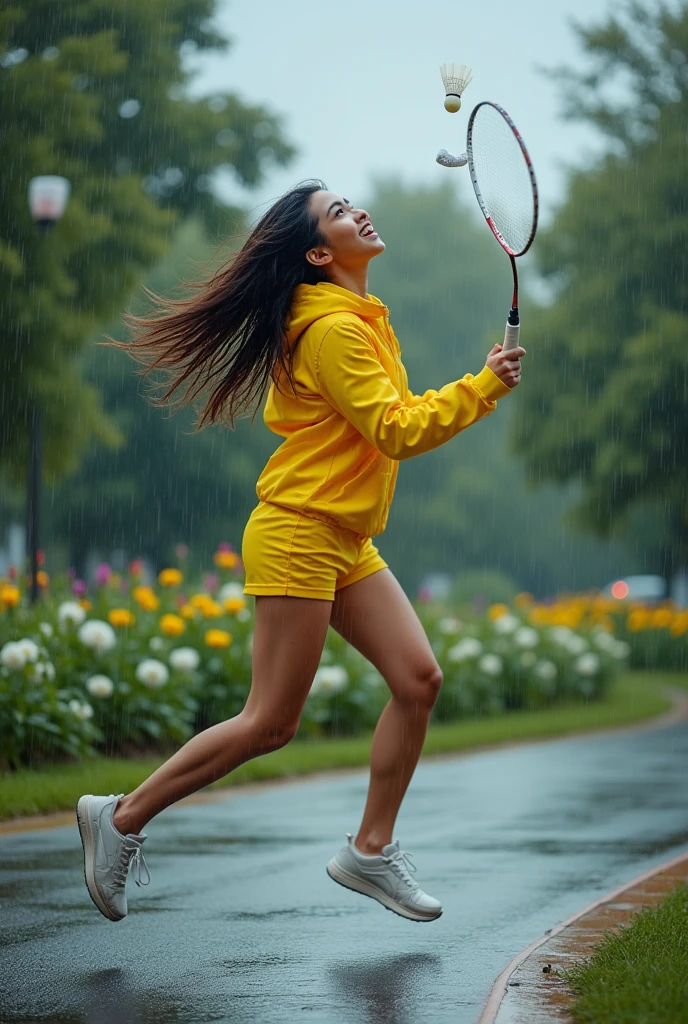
[[319, 257]]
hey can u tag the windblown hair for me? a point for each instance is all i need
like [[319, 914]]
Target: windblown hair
[[230, 334]]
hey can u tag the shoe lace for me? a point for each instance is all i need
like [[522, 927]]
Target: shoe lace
[[401, 863], [131, 859]]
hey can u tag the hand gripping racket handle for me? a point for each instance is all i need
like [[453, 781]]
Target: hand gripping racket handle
[[512, 332]]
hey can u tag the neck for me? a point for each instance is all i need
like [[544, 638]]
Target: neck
[[355, 280]]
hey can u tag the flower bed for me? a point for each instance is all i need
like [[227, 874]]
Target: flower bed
[[123, 667]]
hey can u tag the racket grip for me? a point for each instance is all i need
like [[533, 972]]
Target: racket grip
[[511, 335]]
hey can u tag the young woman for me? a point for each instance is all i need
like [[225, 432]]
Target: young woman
[[292, 311]]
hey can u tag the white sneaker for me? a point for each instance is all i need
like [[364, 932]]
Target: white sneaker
[[385, 878], [108, 855]]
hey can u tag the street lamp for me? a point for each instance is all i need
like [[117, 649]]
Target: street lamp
[[48, 195]]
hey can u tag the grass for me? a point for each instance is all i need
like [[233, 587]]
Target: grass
[[639, 974], [633, 697]]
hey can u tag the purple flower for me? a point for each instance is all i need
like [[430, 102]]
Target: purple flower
[[103, 573], [79, 587]]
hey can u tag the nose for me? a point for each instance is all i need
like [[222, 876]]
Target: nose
[[362, 215]]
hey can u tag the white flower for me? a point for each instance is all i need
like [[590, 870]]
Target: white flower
[[545, 670], [469, 647], [244, 614], [373, 678], [490, 664], [29, 648], [528, 659], [43, 668], [506, 623], [588, 664], [152, 673], [100, 686], [621, 649], [46, 628], [449, 625], [186, 659], [577, 644], [526, 637], [561, 634], [70, 612], [81, 711], [330, 679], [230, 590], [98, 635], [12, 656]]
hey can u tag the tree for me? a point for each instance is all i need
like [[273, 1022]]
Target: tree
[[606, 401], [94, 90]]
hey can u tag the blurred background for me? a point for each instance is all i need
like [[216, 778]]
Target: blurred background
[[177, 122]]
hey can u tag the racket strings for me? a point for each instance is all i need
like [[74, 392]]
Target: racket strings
[[503, 178]]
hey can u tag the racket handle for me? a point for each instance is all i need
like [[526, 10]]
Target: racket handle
[[512, 332]]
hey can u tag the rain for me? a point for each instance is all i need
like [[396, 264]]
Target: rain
[[295, 558]]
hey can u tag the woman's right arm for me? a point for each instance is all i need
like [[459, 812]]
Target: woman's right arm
[[352, 379]]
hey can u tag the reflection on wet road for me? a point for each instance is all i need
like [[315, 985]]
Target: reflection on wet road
[[241, 923]]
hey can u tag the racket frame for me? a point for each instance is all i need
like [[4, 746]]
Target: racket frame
[[512, 329]]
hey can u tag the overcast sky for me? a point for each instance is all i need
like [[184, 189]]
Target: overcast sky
[[359, 89]]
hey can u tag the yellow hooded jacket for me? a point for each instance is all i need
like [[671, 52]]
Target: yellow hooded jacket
[[353, 418]]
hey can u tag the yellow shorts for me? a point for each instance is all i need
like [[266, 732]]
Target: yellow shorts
[[286, 553]]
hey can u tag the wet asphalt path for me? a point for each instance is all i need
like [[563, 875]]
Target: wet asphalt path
[[241, 923]]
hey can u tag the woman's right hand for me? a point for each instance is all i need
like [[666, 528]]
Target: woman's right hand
[[507, 365]]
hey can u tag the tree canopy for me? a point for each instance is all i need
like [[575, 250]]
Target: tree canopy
[[606, 401], [95, 91]]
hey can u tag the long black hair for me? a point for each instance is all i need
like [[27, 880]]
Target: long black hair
[[231, 332]]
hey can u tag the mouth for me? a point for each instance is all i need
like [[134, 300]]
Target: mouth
[[367, 231]]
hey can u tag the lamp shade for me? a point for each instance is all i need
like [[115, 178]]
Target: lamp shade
[[48, 195]]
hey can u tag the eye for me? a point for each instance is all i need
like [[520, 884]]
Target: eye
[[340, 210]]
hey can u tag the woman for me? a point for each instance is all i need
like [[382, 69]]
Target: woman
[[293, 310]]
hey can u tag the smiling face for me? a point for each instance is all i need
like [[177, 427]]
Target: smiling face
[[351, 240]]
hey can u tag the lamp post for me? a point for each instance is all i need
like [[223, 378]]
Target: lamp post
[[48, 195]]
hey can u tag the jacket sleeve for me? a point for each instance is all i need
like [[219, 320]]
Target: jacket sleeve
[[353, 381]]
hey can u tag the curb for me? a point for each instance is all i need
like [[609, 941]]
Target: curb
[[538, 996]]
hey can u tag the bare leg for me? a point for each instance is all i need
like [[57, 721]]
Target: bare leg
[[288, 639], [377, 618]]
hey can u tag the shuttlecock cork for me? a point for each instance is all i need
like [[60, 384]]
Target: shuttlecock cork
[[455, 78]]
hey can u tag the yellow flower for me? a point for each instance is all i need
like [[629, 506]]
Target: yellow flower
[[212, 610], [234, 604], [679, 626], [218, 638], [85, 604], [9, 596], [42, 579], [146, 598], [200, 600], [187, 611], [523, 600], [225, 559], [661, 618], [637, 619], [121, 617], [172, 625], [495, 611], [170, 577]]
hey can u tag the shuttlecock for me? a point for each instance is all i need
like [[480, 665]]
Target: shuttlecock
[[455, 78], [448, 160]]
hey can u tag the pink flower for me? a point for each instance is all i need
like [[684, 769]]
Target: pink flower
[[210, 582], [224, 546], [181, 600], [425, 594], [79, 587], [181, 550], [103, 573]]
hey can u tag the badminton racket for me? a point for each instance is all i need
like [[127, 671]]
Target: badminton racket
[[505, 187]]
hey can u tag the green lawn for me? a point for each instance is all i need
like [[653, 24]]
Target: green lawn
[[633, 697], [640, 973]]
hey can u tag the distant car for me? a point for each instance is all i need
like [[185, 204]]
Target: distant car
[[650, 589]]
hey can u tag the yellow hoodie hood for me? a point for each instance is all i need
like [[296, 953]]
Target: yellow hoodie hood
[[311, 302]]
